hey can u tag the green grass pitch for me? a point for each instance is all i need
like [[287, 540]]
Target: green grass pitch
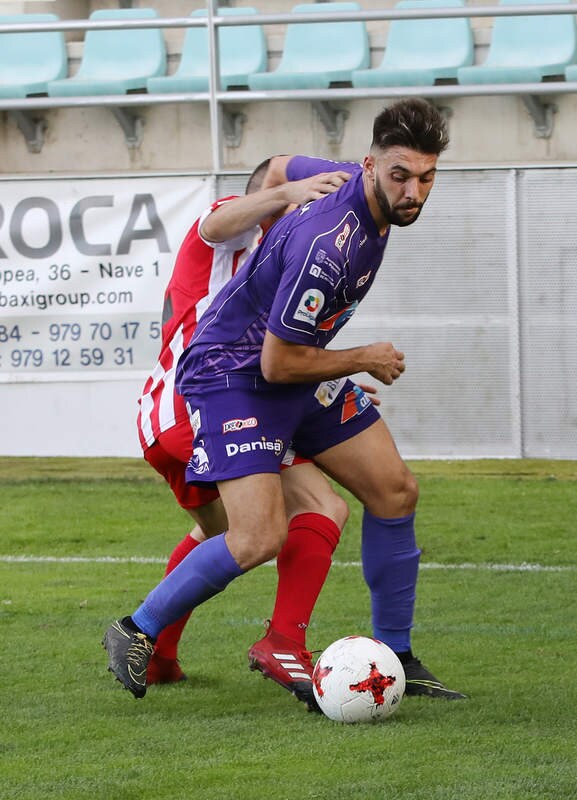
[[505, 635]]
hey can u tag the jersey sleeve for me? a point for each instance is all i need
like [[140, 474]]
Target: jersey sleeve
[[304, 167], [311, 271], [240, 242]]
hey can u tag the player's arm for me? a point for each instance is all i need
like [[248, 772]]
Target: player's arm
[[291, 167], [242, 214], [288, 362], [276, 172]]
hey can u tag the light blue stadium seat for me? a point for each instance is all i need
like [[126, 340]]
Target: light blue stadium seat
[[242, 51], [28, 61], [526, 49], [571, 72], [419, 52], [317, 54], [116, 61]]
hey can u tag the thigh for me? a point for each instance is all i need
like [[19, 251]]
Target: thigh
[[211, 516], [173, 471], [370, 466]]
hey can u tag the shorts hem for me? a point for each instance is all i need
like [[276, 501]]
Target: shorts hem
[[253, 469], [355, 426]]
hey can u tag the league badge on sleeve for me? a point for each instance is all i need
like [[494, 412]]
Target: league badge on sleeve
[[310, 306]]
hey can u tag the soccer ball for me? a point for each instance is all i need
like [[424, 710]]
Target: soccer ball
[[358, 679]]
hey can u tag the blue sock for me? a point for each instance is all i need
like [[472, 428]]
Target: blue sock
[[390, 566], [205, 571]]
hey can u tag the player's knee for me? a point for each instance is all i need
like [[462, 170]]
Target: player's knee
[[317, 499], [397, 497], [411, 491], [339, 511], [250, 548], [268, 549]]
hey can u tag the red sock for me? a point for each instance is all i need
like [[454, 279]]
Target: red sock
[[302, 564], [167, 642]]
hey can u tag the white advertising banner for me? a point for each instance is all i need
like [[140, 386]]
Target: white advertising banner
[[83, 267]]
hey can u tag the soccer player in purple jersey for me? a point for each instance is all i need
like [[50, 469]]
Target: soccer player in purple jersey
[[257, 376]]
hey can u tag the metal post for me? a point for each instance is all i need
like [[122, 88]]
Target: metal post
[[215, 109], [514, 315]]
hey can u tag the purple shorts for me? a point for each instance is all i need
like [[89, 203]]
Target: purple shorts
[[243, 425]]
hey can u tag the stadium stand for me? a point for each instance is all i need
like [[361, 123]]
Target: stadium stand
[[420, 52], [242, 52], [28, 61], [116, 61], [571, 72], [526, 48], [307, 77], [317, 55]]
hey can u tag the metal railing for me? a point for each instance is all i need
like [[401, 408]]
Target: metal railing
[[226, 125]]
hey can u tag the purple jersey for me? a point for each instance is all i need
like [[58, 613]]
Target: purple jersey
[[302, 283]]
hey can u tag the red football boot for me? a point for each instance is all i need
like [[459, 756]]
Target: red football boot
[[287, 663]]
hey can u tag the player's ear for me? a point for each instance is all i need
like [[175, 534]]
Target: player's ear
[[369, 165]]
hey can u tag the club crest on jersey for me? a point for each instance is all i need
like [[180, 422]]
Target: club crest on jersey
[[342, 237], [238, 424], [310, 306], [363, 279], [355, 403]]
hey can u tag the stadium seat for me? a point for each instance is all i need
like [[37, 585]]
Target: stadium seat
[[526, 49], [419, 52], [116, 61], [317, 54], [571, 72], [28, 61], [242, 52]]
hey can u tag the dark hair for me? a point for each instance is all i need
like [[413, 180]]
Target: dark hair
[[412, 123], [256, 178]]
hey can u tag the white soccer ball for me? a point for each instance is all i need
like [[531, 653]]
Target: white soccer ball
[[358, 679]]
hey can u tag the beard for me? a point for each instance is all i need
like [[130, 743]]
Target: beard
[[395, 214]]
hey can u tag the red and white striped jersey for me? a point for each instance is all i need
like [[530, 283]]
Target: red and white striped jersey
[[200, 271]]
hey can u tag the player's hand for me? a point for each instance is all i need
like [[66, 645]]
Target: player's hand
[[307, 189], [371, 391], [385, 362]]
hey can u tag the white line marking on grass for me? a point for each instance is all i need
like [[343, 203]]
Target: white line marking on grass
[[155, 560]]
